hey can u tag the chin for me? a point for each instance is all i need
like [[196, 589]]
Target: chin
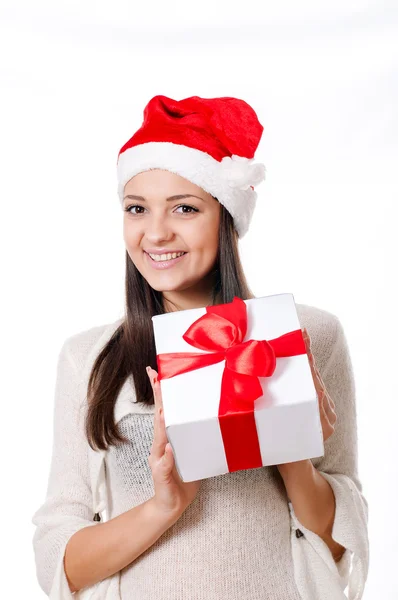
[[169, 286], [159, 284]]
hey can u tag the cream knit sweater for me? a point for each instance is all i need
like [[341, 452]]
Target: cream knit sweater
[[238, 537]]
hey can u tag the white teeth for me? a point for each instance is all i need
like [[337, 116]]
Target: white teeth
[[161, 257]]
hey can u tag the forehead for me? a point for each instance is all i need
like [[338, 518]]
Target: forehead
[[153, 176], [159, 183]]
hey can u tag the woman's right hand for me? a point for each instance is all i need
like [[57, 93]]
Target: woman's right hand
[[172, 495]]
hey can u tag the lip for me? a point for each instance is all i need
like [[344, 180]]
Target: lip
[[162, 251], [164, 264]]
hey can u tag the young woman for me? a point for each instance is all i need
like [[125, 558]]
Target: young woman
[[292, 531]]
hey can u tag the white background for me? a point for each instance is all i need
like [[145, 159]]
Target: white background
[[75, 77]]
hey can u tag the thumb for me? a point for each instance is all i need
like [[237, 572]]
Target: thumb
[[167, 458]]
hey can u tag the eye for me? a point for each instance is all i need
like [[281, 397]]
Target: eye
[[128, 209], [191, 208]]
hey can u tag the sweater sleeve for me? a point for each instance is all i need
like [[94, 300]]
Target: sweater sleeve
[[319, 576], [68, 503]]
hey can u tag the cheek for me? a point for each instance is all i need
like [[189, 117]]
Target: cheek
[[204, 248], [205, 237], [130, 236]]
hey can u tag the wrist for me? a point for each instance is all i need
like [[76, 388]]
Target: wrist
[[301, 469], [162, 516]]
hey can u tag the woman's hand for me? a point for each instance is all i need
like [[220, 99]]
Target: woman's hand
[[326, 404], [326, 410], [172, 495]]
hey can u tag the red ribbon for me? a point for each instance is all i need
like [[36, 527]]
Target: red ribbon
[[220, 332]]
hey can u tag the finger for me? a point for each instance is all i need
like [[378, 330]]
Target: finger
[[330, 399], [306, 338], [319, 385], [168, 458], [327, 429], [157, 393], [328, 420], [331, 414], [151, 375], [321, 392], [329, 404], [315, 374], [160, 437], [324, 421], [155, 431], [326, 404]]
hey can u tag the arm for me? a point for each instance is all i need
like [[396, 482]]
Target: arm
[[64, 522], [92, 554], [68, 503], [313, 501], [339, 468]]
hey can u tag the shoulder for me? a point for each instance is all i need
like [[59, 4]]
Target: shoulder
[[85, 345], [324, 329]]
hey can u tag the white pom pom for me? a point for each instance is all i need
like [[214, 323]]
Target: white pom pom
[[240, 173]]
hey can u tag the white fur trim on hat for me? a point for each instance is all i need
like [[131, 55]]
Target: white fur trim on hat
[[229, 180]]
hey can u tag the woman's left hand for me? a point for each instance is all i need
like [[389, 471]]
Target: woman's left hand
[[310, 494], [326, 409], [326, 404]]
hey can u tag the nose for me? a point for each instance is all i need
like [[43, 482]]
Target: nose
[[158, 229]]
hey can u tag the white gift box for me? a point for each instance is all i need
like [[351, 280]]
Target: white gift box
[[285, 417]]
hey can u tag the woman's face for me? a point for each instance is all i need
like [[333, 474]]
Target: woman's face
[[166, 214]]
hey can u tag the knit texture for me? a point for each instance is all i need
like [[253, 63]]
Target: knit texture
[[237, 539], [208, 547]]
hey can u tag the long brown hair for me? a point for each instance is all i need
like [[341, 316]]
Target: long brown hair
[[132, 346]]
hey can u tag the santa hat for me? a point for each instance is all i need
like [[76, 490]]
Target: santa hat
[[209, 141]]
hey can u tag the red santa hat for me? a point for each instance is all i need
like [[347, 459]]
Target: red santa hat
[[209, 141]]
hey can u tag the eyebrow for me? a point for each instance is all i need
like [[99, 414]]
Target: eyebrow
[[176, 197]]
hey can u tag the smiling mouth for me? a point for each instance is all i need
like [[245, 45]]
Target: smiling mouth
[[165, 257]]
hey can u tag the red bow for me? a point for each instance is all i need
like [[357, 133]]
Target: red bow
[[220, 332]]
